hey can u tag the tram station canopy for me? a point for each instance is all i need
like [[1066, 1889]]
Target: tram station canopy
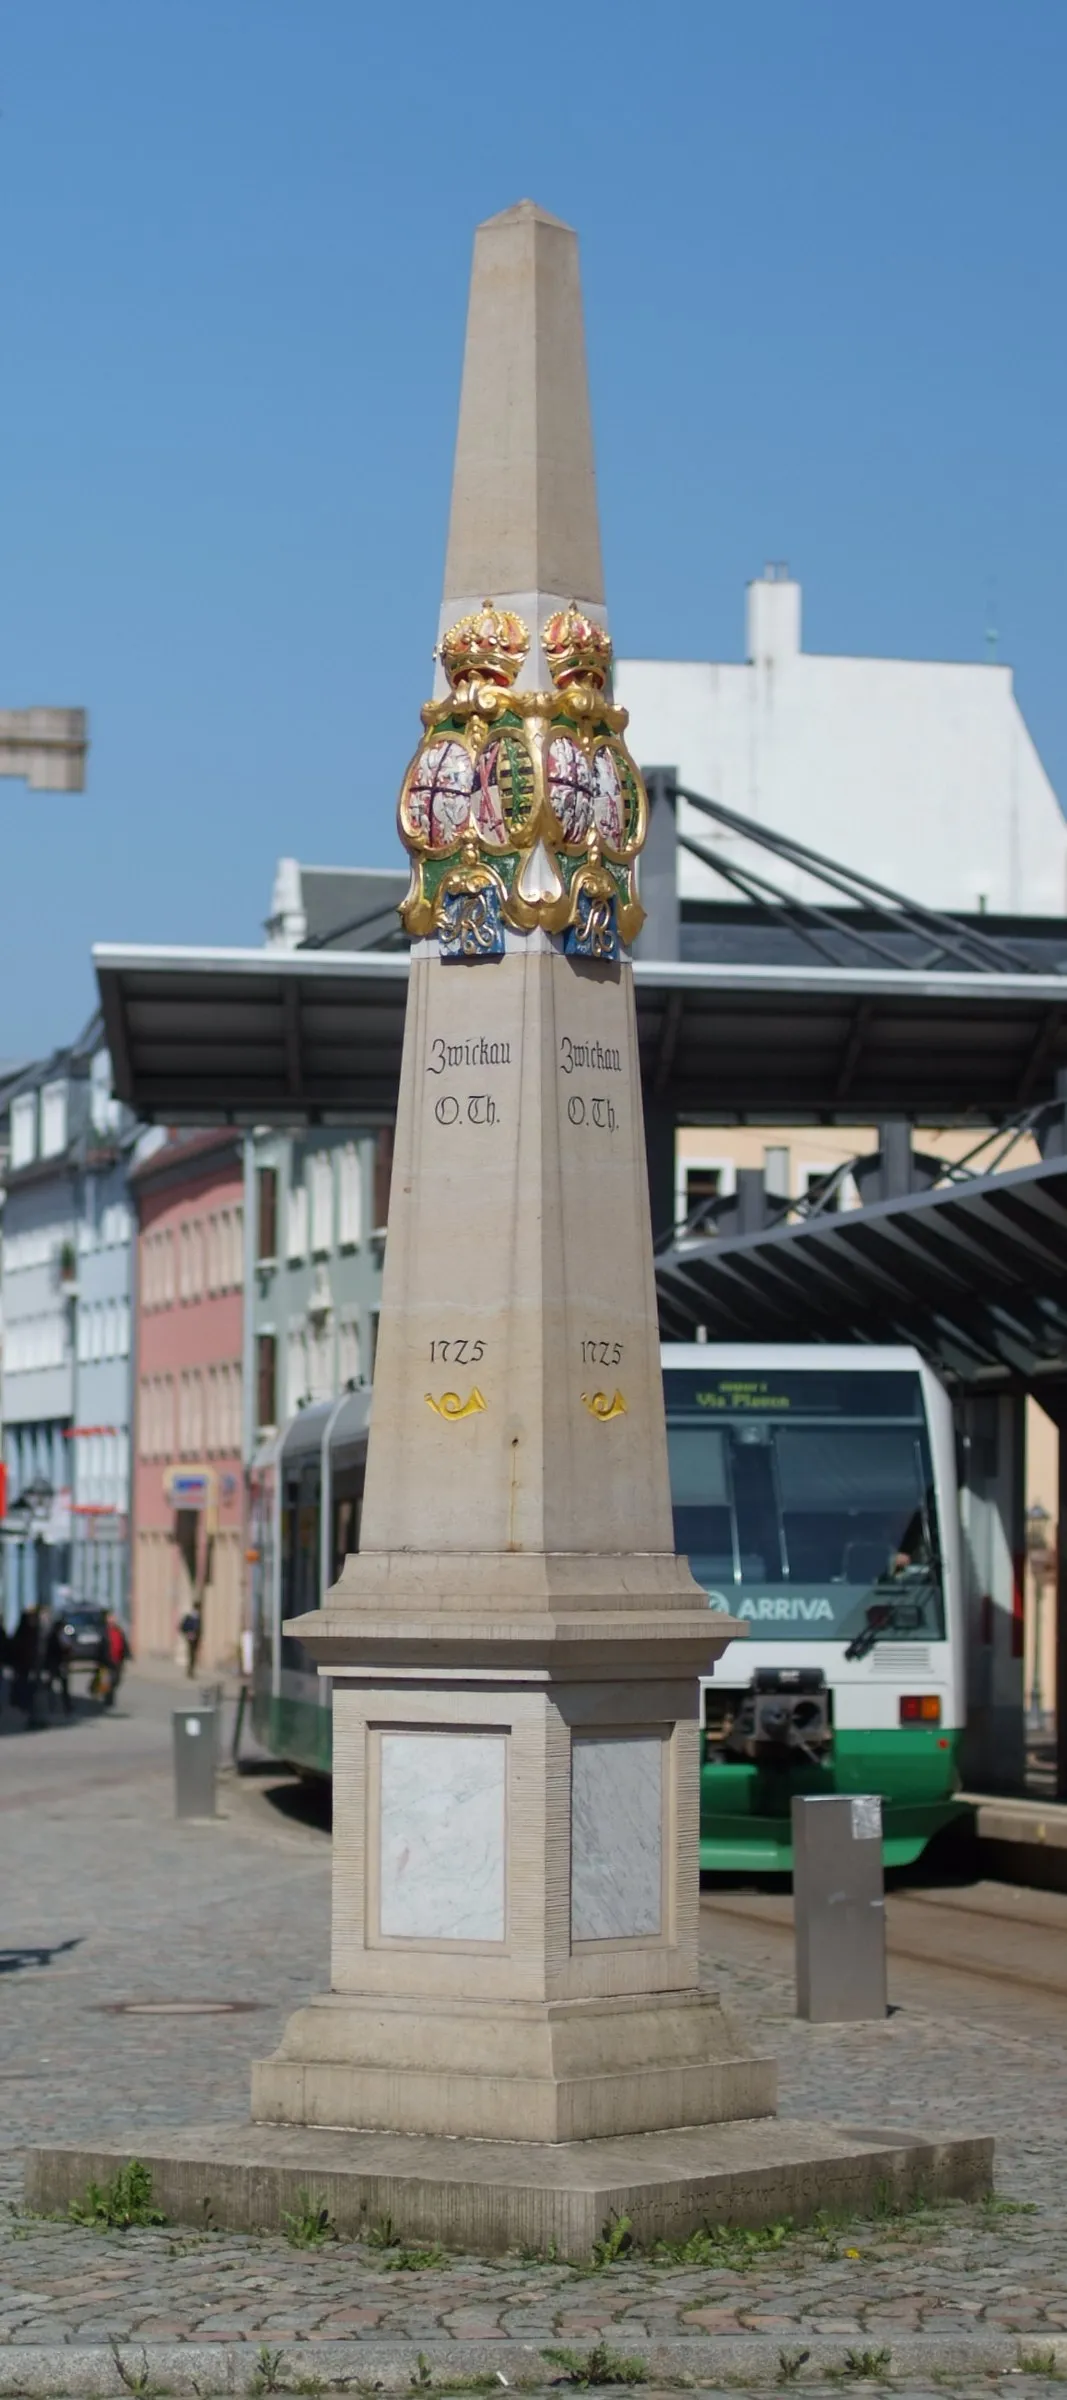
[[974, 1274], [289, 1036]]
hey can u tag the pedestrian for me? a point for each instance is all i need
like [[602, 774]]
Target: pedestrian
[[27, 1664], [57, 1662], [115, 1651], [191, 1628]]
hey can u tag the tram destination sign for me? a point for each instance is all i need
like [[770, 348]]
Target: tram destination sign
[[814, 1392]]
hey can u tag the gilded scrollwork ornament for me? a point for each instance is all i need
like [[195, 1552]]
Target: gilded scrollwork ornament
[[502, 773]]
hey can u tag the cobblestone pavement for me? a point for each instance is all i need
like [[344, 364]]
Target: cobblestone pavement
[[110, 1901]]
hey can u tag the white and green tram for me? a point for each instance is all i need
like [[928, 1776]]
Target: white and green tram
[[815, 1496]]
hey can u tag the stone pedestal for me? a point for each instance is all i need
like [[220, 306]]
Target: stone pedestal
[[515, 1919]]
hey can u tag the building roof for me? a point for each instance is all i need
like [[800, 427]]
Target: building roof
[[182, 1154]]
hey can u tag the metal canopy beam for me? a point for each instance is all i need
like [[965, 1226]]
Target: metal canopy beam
[[974, 1274], [203, 1036]]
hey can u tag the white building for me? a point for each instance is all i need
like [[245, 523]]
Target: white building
[[918, 773]]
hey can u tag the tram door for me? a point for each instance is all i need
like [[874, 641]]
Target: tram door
[[992, 1463]]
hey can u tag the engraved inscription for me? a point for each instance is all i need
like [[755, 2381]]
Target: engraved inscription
[[479, 1108], [602, 1354], [603, 1059], [466, 1054], [598, 1110], [459, 1348]]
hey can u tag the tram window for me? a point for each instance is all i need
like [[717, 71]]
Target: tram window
[[759, 1526], [700, 1491], [853, 1501]]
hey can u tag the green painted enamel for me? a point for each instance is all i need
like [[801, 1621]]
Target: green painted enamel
[[298, 1731], [745, 1809]]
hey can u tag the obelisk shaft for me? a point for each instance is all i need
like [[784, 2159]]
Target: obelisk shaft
[[524, 524]]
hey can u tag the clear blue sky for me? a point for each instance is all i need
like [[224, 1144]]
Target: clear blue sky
[[823, 255]]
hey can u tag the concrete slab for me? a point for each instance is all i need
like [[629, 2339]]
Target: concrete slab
[[489, 2197]]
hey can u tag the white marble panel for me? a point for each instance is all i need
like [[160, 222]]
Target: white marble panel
[[616, 1837], [443, 1836]]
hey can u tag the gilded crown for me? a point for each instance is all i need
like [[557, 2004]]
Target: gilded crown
[[577, 651], [489, 647]]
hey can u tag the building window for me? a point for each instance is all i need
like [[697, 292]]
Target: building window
[[383, 1175], [237, 1221], [53, 1119], [702, 1185], [266, 1380], [348, 1350], [350, 1197], [266, 1214], [24, 1129], [296, 1369], [322, 1204], [297, 1221], [320, 1359]]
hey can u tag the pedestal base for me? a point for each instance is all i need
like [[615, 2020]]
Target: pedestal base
[[523, 2070], [489, 2197]]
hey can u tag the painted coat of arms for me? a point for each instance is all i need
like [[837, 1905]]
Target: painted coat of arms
[[523, 808]]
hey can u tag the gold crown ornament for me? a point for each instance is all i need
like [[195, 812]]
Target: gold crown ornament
[[578, 652], [489, 646], [499, 771]]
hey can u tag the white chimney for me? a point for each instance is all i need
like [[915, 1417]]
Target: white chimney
[[772, 617]]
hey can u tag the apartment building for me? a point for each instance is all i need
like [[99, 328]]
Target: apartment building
[[188, 1485]]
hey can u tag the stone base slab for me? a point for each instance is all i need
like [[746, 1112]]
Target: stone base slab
[[536, 2071], [92, 2371], [489, 2197]]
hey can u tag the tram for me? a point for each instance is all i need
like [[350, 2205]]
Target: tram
[[305, 1505], [814, 1494]]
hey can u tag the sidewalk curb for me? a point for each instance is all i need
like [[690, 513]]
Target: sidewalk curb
[[84, 2371]]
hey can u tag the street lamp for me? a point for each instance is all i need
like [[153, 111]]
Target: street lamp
[[1040, 1555]]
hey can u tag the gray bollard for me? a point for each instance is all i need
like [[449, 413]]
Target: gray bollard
[[195, 1762], [839, 1909]]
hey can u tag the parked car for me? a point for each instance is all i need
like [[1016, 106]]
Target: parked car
[[81, 1631]]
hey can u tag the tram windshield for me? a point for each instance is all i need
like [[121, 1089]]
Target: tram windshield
[[804, 1500]]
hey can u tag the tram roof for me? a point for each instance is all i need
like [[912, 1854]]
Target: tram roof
[[974, 1275], [206, 1036], [302, 1435]]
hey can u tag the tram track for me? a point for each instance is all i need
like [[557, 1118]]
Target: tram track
[[987, 1933]]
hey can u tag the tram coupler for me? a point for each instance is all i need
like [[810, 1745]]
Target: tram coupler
[[785, 1710]]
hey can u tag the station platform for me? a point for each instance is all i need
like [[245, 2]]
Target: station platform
[[1020, 1840]]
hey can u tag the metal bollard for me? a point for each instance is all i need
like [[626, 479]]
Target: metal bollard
[[839, 1909], [195, 1762]]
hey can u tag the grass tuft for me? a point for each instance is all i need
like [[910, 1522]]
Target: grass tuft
[[790, 2363], [585, 2369], [268, 2372], [309, 2224], [616, 2241], [117, 2206]]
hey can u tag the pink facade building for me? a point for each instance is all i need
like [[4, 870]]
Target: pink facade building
[[188, 1494]]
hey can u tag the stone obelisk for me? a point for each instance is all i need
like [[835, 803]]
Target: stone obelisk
[[515, 1648], [515, 2042]]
